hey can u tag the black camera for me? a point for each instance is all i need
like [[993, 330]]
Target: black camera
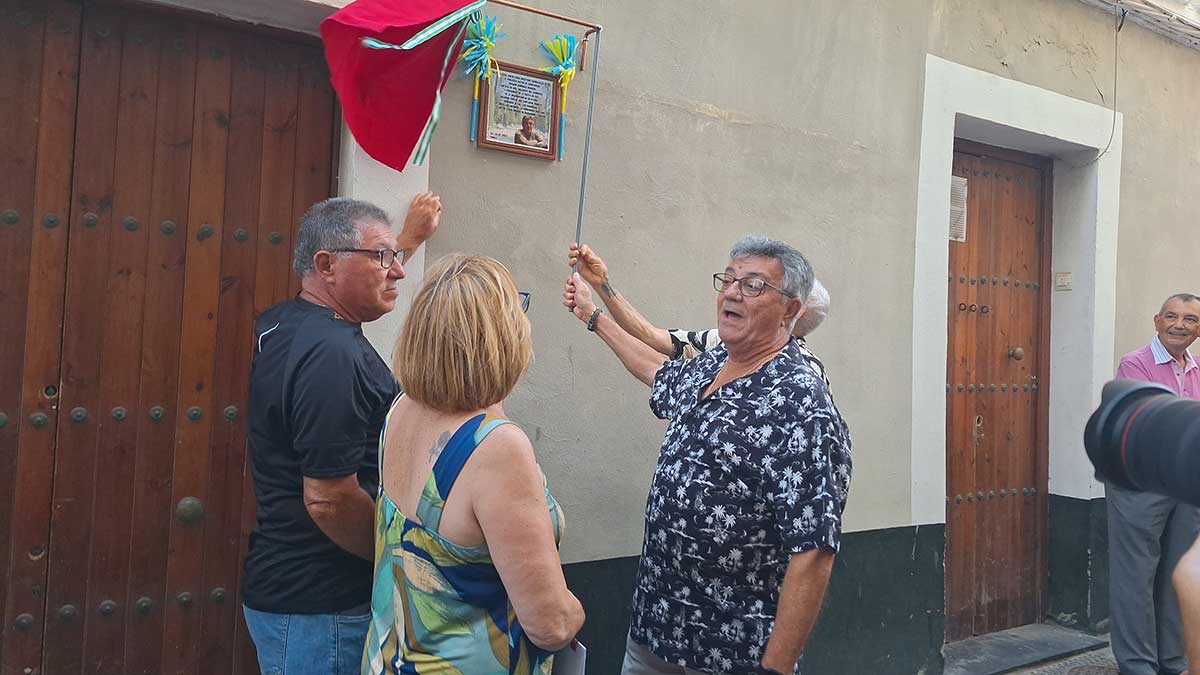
[[1144, 437]]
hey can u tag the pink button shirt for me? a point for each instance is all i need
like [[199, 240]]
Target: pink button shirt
[[1152, 363]]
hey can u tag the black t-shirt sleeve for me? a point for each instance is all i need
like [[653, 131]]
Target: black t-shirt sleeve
[[331, 410]]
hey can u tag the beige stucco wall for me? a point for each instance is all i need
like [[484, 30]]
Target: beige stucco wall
[[701, 138]]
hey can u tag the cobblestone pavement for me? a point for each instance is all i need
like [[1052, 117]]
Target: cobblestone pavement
[[1099, 662]]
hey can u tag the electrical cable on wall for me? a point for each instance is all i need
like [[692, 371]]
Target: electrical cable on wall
[[1118, 24]]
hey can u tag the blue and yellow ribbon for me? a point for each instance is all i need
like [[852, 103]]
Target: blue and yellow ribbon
[[561, 50], [482, 34]]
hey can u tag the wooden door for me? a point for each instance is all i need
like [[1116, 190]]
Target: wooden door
[[177, 157], [38, 74], [996, 400]]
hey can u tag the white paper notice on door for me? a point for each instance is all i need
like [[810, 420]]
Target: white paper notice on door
[[571, 660]]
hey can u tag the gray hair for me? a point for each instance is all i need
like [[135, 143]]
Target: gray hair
[[1185, 297], [816, 308], [797, 273], [331, 224]]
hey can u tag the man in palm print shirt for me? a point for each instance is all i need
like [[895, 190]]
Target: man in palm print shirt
[[744, 514]]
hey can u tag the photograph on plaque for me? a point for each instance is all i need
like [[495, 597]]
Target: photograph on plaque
[[519, 112]]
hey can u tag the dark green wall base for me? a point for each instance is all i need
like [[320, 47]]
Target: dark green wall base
[[883, 611], [1078, 563], [605, 588]]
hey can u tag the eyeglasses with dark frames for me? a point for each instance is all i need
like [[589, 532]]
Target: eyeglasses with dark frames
[[386, 256], [525, 298], [751, 287]]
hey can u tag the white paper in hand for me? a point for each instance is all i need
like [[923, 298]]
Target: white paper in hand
[[571, 660]]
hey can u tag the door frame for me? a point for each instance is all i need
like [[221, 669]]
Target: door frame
[[1045, 165], [1087, 148]]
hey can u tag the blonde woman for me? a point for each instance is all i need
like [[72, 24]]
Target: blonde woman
[[467, 573]]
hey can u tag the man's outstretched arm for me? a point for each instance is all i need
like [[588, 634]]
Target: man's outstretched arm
[[593, 270], [640, 360]]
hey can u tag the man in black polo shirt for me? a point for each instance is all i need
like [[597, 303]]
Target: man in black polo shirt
[[318, 397]]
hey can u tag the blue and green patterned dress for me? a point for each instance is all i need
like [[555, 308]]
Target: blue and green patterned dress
[[437, 607]]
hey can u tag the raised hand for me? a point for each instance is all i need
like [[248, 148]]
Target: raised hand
[[578, 298], [422, 220], [590, 266]]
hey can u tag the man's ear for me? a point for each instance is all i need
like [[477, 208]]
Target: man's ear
[[323, 264], [795, 309]]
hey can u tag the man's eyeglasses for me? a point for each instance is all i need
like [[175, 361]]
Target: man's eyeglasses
[[386, 255], [525, 296], [750, 286]]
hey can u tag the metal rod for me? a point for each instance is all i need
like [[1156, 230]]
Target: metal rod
[[561, 17], [587, 138], [593, 29]]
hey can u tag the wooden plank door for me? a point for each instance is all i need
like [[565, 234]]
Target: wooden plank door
[[195, 149], [38, 74], [996, 414]]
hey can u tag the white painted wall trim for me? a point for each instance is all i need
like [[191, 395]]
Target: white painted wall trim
[[968, 103]]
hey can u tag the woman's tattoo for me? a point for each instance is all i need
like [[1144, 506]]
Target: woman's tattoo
[[439, 445]]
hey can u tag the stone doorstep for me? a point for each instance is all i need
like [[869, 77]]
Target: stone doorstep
[[1098, 662], [1021, 647]]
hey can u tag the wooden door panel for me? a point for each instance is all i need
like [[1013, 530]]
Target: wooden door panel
[[994, 448], [156, 415], [278, 171], [315, 131], [982, 436], [1004, 418], [235, 318], [86, 340], [195, 415], [990, 256], [123, 281], [39, 75]]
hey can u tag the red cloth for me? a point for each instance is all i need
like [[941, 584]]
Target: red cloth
[[388, 94]]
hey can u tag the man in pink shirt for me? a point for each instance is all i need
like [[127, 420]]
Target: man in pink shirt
[[1149, 533]]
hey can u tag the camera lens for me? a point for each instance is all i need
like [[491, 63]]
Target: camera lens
[[1143, 437], [1162, 448], [1120, 401]]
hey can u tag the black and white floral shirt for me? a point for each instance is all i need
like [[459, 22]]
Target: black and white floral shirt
[[757, 471]]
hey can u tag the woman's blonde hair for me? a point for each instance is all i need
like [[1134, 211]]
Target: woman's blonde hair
[[465, 342]]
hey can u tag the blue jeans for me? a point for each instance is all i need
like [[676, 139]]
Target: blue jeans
[[304, 644]]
